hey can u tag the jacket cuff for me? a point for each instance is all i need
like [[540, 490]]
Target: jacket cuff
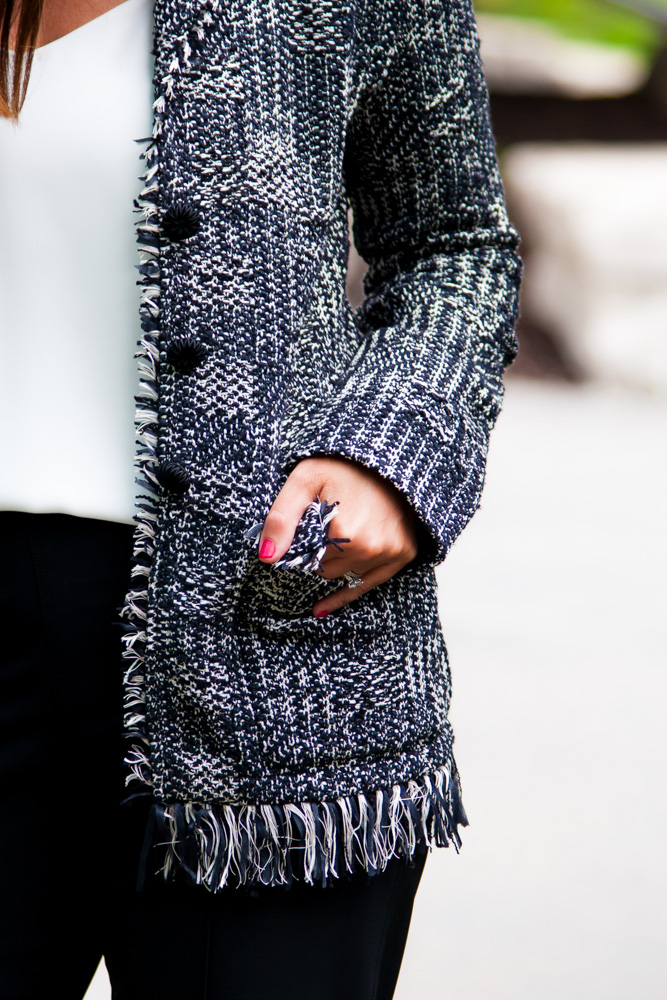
[[435, 457]]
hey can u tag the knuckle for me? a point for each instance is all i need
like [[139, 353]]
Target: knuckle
[[402, 550], [394, 550], [303, 479], [276, 520], [368, 549], [411, 552]]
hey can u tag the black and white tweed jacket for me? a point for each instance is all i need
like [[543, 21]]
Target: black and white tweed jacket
[[276, 744]]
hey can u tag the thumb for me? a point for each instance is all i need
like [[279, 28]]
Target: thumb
[[283, 517]]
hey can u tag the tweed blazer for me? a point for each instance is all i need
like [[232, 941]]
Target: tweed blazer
[[273, 744]]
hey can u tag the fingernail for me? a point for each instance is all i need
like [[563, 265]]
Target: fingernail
[[267, 549], [321, 614]]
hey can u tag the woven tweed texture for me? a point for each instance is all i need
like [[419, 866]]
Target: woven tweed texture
[[277, 745]]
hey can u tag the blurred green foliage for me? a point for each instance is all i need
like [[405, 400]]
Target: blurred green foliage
[[587, 20]]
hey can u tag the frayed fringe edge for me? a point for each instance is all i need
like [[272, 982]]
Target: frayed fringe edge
[[315, 842], [135, 610]]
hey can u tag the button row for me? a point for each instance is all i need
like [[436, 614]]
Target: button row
[[173, 477], [179, 222], [185, 354]]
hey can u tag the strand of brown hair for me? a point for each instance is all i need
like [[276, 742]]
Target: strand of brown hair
[[27, 15]]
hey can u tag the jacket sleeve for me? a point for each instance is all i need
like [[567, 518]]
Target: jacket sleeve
[[436, 329]]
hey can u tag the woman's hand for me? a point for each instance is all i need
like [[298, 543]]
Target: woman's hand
[[373, 514]]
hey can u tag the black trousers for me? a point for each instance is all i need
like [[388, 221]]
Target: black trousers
[[69, 851]]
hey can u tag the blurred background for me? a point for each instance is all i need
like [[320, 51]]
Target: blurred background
[[553, 599], [579, 109]]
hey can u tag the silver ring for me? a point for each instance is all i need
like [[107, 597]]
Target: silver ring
[[353, 579]]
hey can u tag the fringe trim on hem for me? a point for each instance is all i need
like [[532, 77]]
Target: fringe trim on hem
[[237, 844]]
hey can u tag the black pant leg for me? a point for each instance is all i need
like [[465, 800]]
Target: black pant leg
[[69, 855], [62, 580], [345, 942]]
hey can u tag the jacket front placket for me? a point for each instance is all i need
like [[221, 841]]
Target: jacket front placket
[[195, 449]]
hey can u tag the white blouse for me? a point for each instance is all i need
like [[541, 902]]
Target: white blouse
[[69, 324]]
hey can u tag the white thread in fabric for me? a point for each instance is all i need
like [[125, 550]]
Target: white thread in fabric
[[276, 745]]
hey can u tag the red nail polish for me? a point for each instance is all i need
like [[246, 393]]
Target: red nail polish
[[321, 614], [267, 549]]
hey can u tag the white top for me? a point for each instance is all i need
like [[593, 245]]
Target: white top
[[69, 322]]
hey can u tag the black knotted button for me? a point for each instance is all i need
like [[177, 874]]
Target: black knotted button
[[173, 477], [180, 221], [185, 353]]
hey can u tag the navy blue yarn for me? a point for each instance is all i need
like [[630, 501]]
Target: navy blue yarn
[[267, 130]]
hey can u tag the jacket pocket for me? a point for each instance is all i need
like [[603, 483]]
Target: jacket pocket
[[291, 585], [277, 599], [279, 607], [279, 592]]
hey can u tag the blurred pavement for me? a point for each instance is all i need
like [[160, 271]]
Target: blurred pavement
[[553, 605]]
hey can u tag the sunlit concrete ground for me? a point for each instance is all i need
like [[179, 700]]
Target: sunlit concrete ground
[[553, 603]]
